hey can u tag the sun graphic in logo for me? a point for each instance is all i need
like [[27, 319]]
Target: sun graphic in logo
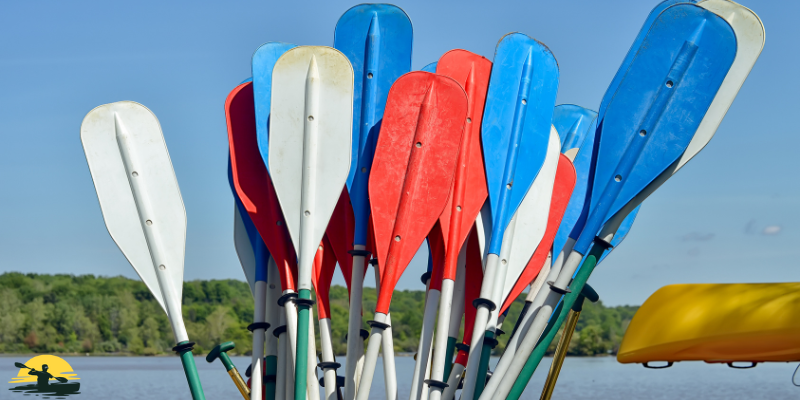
[[39, 366]]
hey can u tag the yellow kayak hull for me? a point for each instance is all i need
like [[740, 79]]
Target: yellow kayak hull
[[753, 322]]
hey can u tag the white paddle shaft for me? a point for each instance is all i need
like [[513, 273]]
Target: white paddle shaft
[[425, 338], [329, 374], [284, 366], [355, 344], [257, 363], [371, 357], [440, 339]]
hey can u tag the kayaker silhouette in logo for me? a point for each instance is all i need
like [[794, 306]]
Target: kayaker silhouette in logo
[[42, 377], [52, 368]]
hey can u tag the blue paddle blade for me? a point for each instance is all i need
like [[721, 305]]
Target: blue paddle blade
[[658, 106], [260, 251], [577, 125], [430, 67], [376, 38], [626, 62], [263, 60], [516, 124], [573, 124]]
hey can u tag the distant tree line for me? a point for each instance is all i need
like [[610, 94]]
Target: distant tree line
[[117, 315]]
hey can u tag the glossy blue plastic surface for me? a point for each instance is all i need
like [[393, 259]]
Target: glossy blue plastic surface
[[377, 39], [259, 247], [655, 111], [263, 61], [430, 67], [516, 124], [576, 126], [626, 62]]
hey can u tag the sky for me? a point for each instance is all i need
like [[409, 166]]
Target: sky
[[729, 216]]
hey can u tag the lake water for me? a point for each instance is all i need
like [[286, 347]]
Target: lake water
[[123, 378]]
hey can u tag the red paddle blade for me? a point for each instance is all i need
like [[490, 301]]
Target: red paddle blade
[[472, 289], [413, 168], [324, 267], [253, 184], [340, 233], [468, 191], [438, 247], [562, 190]]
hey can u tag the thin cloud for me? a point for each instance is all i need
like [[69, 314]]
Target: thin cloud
[[772, 230]]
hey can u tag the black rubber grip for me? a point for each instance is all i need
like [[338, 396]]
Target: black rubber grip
[[373, 262], [425, 277], [484, 302], [492, 342], [188, 346], [270, 378], [379, 325], [462, 347], [602, 243], [305, 302], [435, 383], [279, 331], [558, 290], [669, 364], [329, 365], [360, 253], [258, 325], [283, 299], [499, 332]]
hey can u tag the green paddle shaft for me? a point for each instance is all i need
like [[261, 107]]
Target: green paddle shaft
[[489, 342], [187, 359], [448, 356], [271, 370], [538, 352], [301, 360]]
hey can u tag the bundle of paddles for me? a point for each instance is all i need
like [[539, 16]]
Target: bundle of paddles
[[344, 156]]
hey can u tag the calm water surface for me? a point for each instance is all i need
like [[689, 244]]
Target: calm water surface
[[122, 378]]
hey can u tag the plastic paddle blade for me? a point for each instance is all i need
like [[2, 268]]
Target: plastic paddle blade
[[516, 123], [137, 190], [583, 161], [253, 184], [562, 190], [472, 288], [626, 62], [243, 244], [647, 96], [414, 163], [310, 134], [263, 62], [339, 234], [324, 267], [525, 234], [430, 68], [249, 246], [377, 39], [621, 232], [436, 256], [469, 191], [574, 124]]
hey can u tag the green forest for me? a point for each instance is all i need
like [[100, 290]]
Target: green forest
[[118, 316]]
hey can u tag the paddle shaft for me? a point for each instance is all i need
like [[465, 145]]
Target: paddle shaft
[[561, 352], [355, 344]]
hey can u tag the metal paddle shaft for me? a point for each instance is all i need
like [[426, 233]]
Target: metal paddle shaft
[[412, 173], [142, 206], [376, 38], [467, 197], [515, 131], [706, 41], [566, 336], [309, 158]]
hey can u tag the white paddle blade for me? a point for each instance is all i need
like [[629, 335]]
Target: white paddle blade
[[244, 249], [310, 142], [531, 218], [138, 194]]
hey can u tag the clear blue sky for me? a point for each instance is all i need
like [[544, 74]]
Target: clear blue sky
[[729, 216]]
